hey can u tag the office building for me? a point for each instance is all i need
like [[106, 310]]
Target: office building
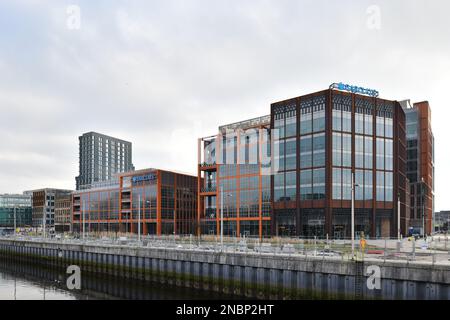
[[43, 205], [420, 164], [322, 140], [164, 202], [235, 165], [441, 221], [63, 212], [101, 157], [15, 209]]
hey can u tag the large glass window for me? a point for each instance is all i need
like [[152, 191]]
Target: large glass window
[[346, 184], [291, 185], [319, 183], [389, 128], [337, 149], [368, 124], [346, 150], [306, 184], [380, 186], [359, 151], [359, 181], [291, 154], [368, 152], [306, 117], [389, 157], [319, 150], [319, 114], [279, 125], [380, 126], [279, 187], [389, 186], [337, 120], [306, 151], [347, 121], [359, 123], [380, 154], [291, 123], [337, 183], [368, 184]]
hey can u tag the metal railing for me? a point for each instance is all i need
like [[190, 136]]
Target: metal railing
[[434, 250]]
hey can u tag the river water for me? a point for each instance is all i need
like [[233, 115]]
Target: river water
[[28, 282]]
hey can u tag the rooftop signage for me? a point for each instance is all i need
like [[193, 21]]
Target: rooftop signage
[[355, 89], [147, 177]]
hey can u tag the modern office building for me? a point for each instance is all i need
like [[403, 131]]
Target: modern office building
[[63, 212], [101, 157], [15, 210], [234, 165], [322, 140], [442, 221], [43, 204], [163, 202], [420, 164]]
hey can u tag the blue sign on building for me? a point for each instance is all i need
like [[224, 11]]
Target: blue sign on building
[[355, 89], [147, 177]]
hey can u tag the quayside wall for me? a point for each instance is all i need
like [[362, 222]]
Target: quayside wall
[[253, 275]]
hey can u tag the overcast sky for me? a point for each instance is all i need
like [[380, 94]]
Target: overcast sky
[[163, 73]]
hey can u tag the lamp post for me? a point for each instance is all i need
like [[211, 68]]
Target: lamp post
[[139, 218], [423, 207], [398, 218], [353, 213], [221, 215], [15, 221]]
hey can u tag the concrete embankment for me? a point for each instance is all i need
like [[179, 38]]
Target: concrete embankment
[[244, 274]]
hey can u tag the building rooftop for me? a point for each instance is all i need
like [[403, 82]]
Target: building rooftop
[[103, 135]]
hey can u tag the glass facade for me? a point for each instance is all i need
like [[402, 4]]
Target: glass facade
[[167, 206], [18, 206], [246, 191]]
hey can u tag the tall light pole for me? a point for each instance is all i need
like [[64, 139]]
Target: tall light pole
[[139, 218], [353, 213], [83, 208], [44, 218], [398, 218], [221, 215], [15, 221], [423, 206]]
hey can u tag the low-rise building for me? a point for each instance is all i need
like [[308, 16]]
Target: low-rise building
[[15, 210], [162, 202]]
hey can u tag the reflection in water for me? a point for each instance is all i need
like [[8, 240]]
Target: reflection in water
[[22, 281]]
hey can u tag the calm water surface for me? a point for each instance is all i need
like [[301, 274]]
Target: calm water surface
[[28, 282]]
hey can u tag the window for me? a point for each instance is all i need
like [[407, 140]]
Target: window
[[306, 117], [380, 153], [337, 149], [359, 181], [346, 184], [306, 185], [306, 152], [337, 184], [380, 186], [291, 185], [359, 151], [319, 150], [319, 183], [346, 150]]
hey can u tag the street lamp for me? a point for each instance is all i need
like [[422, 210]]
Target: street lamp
[[423, 207], [354, 185], [15, 221], [221, 215], [398, 217]]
